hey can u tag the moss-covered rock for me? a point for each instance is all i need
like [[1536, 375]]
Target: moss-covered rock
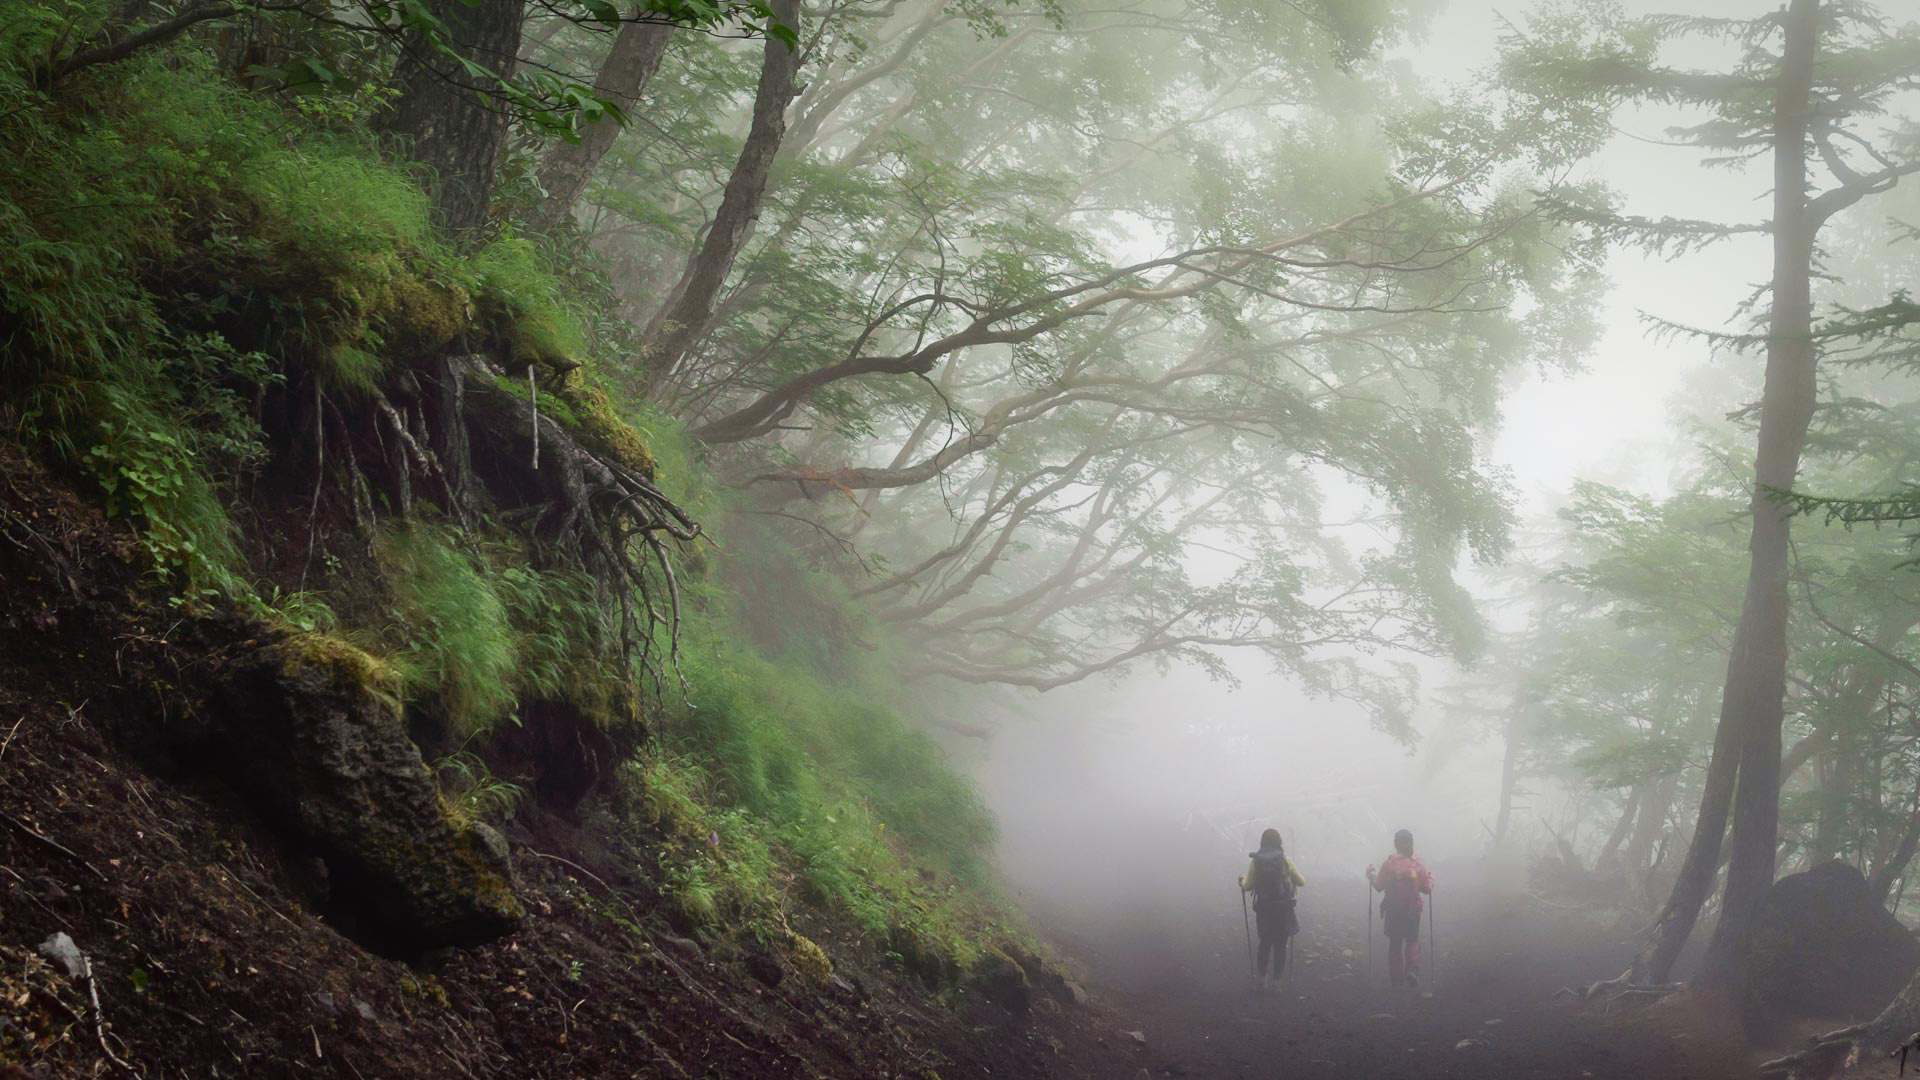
[[418, 315], [811, 961], [601, 422], [310, 729], [1000, 979], [923, 955]]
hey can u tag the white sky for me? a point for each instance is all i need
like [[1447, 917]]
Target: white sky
[[1613, 422]]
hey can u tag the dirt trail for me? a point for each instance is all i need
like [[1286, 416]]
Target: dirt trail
[[1181, 978]]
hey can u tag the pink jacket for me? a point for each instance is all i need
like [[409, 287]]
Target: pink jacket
[[1403, 878]]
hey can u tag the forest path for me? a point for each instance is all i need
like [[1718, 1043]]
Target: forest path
[[1181, 978]]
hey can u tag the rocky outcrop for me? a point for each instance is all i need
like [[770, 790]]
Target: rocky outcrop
[[1824, 947], [309, 730], [1000, 979]]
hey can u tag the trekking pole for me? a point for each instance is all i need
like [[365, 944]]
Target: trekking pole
[[1369, 922], [1248, 920], [1433, 942]]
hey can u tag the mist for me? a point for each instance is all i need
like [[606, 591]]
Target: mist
[[834, 538]]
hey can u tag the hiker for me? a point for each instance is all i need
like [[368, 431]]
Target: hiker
[[1272, 878], [1404, 879]]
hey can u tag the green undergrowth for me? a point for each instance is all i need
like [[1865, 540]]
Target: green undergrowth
[[175, 250], [479, 629], [782, 775]]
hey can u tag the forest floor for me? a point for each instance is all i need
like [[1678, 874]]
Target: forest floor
[[1489, 1010]]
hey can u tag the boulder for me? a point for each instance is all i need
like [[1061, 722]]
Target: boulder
[[1822, 946], [309, 729], [1046, 979], [1000, 979]]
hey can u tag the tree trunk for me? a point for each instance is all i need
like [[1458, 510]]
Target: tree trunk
[[453, 122], [1509, 770], [569, 167], [1755, 696], [1695, 881], [685, 317], [1609, 860], [1648, 826]]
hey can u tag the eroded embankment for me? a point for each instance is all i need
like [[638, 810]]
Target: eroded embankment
[[195, 893]]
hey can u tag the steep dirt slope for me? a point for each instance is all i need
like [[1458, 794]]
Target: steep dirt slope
[[202, 958]]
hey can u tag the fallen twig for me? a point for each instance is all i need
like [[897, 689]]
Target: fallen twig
[[54, 844], [99, 1016], [568, 862], [8, 741]]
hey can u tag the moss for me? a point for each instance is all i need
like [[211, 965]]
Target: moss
[[552, 407], [419, 315], [600, 421], [427, 988], [301, 651], [523, 349], [810, 960]]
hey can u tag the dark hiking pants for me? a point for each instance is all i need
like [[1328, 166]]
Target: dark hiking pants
[[1277, 923]]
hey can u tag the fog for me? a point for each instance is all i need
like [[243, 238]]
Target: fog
[[1127, 806]]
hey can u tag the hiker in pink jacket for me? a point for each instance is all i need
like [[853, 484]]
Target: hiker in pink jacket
[[1404, 879]]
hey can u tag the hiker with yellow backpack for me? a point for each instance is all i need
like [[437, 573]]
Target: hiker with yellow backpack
[[1273, 881]]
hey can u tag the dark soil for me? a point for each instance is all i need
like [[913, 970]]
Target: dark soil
[[207, 960]]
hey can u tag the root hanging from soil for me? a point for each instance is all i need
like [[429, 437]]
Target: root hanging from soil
[[582, 504]]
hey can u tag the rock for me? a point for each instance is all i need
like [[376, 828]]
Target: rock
[[764, 967], [685, 948], [1492, 1023], [1138, 1038], [1044, 977], [810, 960], [842, 984], [1074, 993], [1000, 979], [1470, 1044], [60, 949], [309, 728], [1822, 946], [362, 1009]]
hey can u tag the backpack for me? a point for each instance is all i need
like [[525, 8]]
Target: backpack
[[1271, 882]]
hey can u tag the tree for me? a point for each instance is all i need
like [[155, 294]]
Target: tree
[[688, 311], [638, 47], [446, 113], [1810, 82]]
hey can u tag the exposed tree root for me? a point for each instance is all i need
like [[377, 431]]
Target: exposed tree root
[[1619, 988], [583, 505], [1837, 1051], [446, 432]]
